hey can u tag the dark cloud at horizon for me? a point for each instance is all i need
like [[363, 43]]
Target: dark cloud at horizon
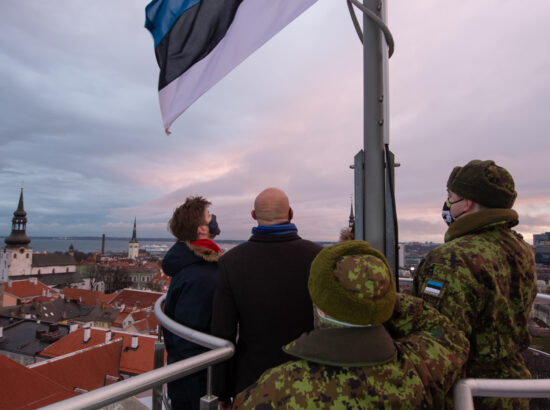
[[81, 127]]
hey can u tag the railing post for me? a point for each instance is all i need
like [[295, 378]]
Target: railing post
[[209, 402], [158, 362], [462, 394]]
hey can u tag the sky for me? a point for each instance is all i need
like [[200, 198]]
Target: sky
[[80, 125]]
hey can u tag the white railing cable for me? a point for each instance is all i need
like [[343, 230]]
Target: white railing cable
[[203, 339], [222, 350], [134, 385], [465, 389], [542, 299]]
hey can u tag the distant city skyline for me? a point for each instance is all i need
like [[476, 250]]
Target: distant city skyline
[[81, 130]]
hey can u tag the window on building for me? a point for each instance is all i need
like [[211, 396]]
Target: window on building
[[14, 255], [53, 270], [27, 256]]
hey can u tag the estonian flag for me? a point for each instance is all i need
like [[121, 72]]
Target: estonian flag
[[197, 42]]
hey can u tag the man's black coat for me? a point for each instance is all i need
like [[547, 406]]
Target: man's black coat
[[262, 289]]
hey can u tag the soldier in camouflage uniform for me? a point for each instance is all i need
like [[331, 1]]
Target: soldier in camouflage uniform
[[483, 278], [350, 360]]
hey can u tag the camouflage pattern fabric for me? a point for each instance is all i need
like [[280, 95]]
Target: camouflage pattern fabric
[[484, 279], [365, 276], [430, 355]]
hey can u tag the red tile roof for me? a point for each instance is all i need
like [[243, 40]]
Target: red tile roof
[[137, 298], [161, 280], [120, 318], [144, 322], [141, 326], [85, 369], [89, 297], [26, 288], [24, 388], [139, 315], [134, 361]]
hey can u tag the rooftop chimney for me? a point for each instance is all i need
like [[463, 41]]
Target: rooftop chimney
[[103, 244], [134, 342], [87, 334], [107, 336], [73, 327]]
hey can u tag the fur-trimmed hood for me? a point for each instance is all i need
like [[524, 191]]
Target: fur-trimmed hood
[[183, 254], [207, 254]]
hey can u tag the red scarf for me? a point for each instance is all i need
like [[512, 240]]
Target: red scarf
[[208, 244]]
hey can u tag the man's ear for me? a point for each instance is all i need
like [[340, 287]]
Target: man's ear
[[253, 214], [469, 205], [202, 230]]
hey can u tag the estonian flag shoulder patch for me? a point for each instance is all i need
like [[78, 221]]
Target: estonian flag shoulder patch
[[434, 288]]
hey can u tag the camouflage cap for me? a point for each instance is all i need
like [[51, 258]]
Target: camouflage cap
[[483, 182], [352, 282]]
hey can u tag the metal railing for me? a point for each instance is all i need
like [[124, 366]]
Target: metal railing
[[542, 299], [464, 390], [222, 350]]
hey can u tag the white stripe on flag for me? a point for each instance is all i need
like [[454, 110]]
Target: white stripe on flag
[[255, 22], [432, 291]]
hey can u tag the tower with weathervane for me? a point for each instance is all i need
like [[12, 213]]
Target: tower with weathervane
[[16, 256], [133, 245]]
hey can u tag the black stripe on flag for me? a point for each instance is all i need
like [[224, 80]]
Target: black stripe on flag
[[193, 36]]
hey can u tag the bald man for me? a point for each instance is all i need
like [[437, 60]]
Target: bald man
[[262, 295]]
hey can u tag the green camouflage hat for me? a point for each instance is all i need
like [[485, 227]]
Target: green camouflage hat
[[483, 182], [352, 282]]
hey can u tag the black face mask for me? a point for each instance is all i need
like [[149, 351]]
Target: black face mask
[[213, 228], [446, 212]]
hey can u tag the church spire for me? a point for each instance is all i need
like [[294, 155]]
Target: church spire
[[133, 245], [18, 226], [134, 237]]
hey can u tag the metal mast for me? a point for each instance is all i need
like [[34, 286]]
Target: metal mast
[[375, 219]]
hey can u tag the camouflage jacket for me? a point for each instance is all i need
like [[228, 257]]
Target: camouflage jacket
[[484, 279], [416, 370]]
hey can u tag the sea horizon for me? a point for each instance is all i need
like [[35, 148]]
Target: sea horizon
[[92, 244]]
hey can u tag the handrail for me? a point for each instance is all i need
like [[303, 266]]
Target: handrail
[[203, 339], [465, 389], [222, 350], [542, 299], [134, 385]]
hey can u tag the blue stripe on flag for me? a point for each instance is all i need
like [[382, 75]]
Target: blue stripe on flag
[[160, 15], [435, 284]]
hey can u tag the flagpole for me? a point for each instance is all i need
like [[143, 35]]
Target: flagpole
[[374, 126]]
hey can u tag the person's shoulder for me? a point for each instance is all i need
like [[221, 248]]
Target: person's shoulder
[[309, 244], [456, 248], [236, 250]]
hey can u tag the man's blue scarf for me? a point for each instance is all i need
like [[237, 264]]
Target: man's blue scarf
[[279, 229]]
